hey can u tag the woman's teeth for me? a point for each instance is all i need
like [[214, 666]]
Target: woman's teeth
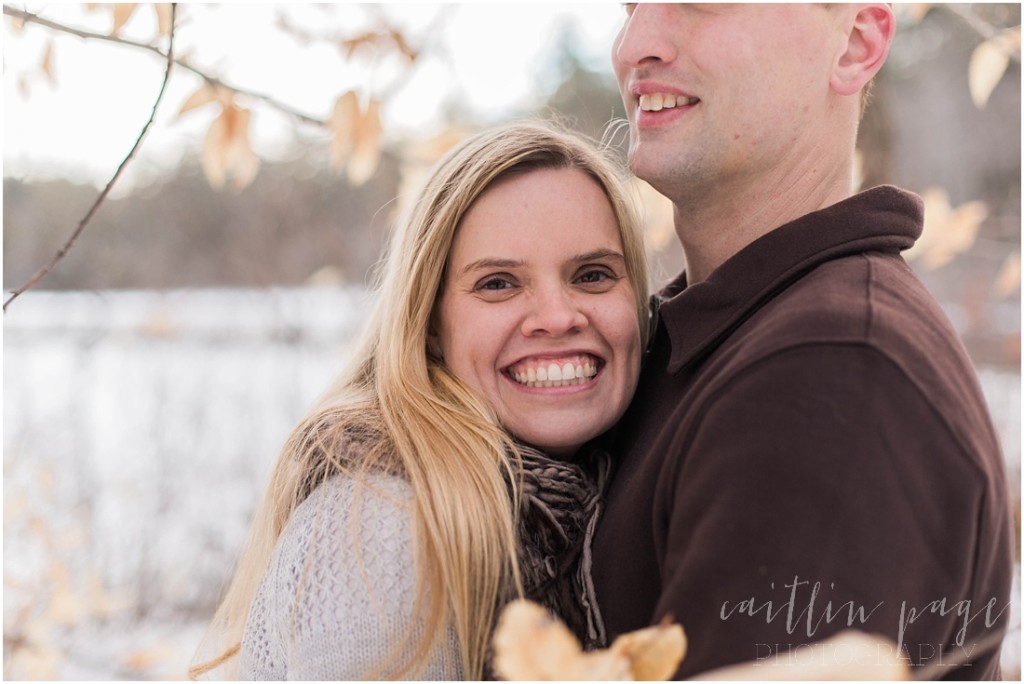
[[556, 375], [655, 102]]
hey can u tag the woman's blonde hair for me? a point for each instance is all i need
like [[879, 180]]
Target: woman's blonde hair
[[398, 409]]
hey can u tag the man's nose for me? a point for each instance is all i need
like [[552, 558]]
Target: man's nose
[[554, 312], [646, 37]]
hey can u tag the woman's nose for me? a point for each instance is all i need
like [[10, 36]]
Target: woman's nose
[[554, 312], [645, 38]]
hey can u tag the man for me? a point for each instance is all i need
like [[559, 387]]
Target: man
[[809, 449]]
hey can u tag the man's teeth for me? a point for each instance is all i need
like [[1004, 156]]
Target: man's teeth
[[655, 102], [556, 375]]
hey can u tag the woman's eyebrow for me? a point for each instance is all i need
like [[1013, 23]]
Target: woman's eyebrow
[[497, 262], [599, 254], [489, 262]]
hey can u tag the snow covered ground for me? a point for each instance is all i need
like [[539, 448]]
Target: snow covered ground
[[139, 431]]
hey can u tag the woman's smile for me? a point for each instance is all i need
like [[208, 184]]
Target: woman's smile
[[562, 371]]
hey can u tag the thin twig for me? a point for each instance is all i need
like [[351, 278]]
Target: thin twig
[[30, 18], [117, 174]]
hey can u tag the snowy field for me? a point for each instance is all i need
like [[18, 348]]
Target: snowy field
[[139, 431]]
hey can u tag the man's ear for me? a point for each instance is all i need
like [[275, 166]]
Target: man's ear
[[871, 32]]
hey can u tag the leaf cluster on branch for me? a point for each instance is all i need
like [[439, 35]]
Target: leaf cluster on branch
[[355, 131], [227, 154]]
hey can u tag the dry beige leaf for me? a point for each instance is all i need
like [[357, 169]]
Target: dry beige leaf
[[185, 56], [654, 653], [40, 529], [1013, 38], [1008, 281], [602, 666], [122, 13], [936, 211], [658, 216], [858, 170], [387, 38], [417, 161], [13, 507], [529, 644], [342, 125], [225, 96], [985, 70], [143, 659], [65, 607], [989, 62], [365, 156], [103, 602], [36, 656], [46, 479], [205, 95], [947, 232], [163, 17], [370, 39], [46, 66], [849, 655], [965, 222], [957, 234], [400, 42], [430, 150], [226, 150], [216, 147]]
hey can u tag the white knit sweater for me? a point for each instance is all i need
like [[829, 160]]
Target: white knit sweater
[[338, 595]]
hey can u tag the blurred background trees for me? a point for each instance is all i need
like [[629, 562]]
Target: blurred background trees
[[319, 205], [141, 420]]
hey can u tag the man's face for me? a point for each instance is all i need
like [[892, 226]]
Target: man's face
[[723, 93]]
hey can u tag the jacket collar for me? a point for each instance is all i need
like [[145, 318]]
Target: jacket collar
[[884, 219]]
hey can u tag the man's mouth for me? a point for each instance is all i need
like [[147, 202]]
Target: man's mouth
[[655, 102], [577, 369]]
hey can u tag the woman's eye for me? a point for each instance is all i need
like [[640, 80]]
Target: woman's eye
[[494, 284], [595, 276]]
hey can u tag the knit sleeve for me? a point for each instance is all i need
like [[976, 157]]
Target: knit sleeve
[[337, 600]]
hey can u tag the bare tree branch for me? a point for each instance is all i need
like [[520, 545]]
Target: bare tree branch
[[117, 174], [30, 18]]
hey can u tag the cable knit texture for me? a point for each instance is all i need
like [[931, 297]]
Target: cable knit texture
[[339, 593]]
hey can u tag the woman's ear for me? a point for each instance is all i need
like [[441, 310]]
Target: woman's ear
[[870, 35]]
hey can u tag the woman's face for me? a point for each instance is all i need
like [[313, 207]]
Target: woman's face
[[538, 313]]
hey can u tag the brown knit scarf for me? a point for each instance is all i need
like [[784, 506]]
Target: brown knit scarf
[[559, 507]]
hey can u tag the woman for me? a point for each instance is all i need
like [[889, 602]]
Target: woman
[[443, 473]]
